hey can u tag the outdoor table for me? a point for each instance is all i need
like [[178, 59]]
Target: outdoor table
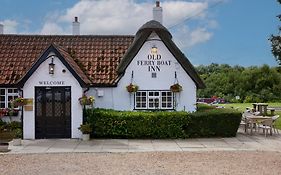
[[261, 107], [272, 110], [253, 119]]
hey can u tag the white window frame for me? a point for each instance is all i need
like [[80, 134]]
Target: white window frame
[[148, 96], [9, 94], [5, 98]]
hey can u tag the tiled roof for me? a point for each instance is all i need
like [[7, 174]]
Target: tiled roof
[[97, 56]]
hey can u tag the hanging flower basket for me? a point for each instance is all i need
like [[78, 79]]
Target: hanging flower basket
[[176, 87], [84, 100], [132, 88], [19, 102]]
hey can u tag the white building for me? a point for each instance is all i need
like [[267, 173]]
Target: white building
[[53, 72]]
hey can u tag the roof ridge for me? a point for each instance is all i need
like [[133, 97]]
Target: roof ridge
[[74, 36]]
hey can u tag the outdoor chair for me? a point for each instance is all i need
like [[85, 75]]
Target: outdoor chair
[[274, 118], [266, 125], [257, 113], [246, 123]]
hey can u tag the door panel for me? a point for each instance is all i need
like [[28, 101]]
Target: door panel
[[52, 112]]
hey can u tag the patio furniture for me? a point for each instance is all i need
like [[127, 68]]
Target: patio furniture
[[254, 121], [274, 118], [245, 121], [272, 110], [266, 125], [261, 107]]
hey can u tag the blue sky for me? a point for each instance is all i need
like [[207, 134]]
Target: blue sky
[[232, 32]]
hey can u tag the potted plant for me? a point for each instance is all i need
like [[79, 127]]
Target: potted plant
[[176, 87], [86, 130], [17, 137], [132, 88], [19, 102], [84, 100]]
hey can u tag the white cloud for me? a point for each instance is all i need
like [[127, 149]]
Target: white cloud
[[113, 17], [51, 28], [121, 16], [191, 37], [10, 26]]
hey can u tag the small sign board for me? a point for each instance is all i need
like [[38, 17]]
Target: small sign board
[[29, 101], [28, 108], [29, 104]]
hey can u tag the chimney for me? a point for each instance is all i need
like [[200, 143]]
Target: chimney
[[157, 13], [75, 26], [1, 29]]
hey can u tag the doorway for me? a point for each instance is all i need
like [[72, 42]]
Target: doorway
[[52, 112]]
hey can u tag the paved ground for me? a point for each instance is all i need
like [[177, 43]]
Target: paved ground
[[244, 154], [145, 163], [242, 142]]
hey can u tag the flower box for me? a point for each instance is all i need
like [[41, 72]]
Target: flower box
[[176, 87], [8, 112], [132, 88]]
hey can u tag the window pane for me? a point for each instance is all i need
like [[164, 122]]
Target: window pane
[[154, 100], [10, 90], [2, 91]]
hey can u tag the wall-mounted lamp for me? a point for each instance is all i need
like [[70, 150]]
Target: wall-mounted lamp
[[154, 50], [52, 66]]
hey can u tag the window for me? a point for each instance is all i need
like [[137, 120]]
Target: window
[[153, 75], [154, 100], [2, 98], [6, 96]]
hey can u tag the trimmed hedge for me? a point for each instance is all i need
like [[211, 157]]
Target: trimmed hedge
[[132, 124]]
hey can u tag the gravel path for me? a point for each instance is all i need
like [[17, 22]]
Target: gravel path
[[153, 163]]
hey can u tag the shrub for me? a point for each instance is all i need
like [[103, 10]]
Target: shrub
[[11, 126], [130, 124], [208, 122], [86, 128], [214, 123]]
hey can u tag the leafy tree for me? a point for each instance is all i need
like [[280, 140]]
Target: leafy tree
[[252, 84], [276, 42]]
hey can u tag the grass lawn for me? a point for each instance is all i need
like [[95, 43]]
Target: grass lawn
[[242, 106]]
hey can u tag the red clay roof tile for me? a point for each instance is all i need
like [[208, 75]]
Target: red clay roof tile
[[97, 56]]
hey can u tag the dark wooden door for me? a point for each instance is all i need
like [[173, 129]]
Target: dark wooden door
[[52, 112]]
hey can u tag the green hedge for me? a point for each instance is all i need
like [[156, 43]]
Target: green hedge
[[132, 124]]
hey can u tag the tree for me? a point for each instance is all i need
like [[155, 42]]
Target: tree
[[251, 84], [276, 42]]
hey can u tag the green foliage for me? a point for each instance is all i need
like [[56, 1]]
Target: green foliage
[[252, 84], [12, 126], [214, 123], [86, 128], [17, 133], [130, 124], [276, 42]]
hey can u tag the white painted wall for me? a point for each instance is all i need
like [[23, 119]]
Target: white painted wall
[[42, 74], [118, 98]]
